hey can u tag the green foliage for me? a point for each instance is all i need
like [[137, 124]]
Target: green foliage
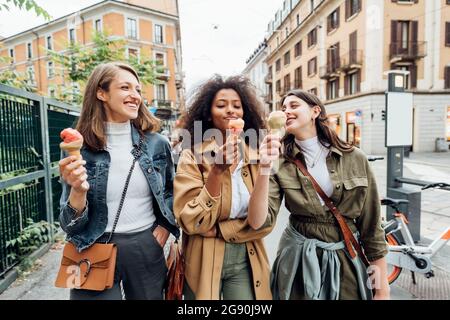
[[13, 78], [79, 61], [25, 4], [31, 238]]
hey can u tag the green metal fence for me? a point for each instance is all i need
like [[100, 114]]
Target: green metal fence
[[29, 154]]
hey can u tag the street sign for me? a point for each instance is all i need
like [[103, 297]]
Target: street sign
[[399, 119]]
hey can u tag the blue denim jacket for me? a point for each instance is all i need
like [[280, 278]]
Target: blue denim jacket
[[156, 163]]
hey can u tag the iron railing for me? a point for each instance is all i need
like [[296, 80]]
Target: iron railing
[[407, 50], [29, 152]]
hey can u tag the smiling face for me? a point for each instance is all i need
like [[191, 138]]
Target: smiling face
[[123, 98], [227, 105], [300, 117]]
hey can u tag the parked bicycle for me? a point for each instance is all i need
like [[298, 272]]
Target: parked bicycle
[[407, 254]]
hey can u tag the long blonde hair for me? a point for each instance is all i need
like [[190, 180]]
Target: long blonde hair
[[91, 123]]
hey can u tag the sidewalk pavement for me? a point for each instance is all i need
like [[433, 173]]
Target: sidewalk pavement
[[38, 284]]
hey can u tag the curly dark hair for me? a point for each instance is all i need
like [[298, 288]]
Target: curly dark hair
[[199, 107]]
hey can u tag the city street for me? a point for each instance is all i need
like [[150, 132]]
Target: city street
[[38, 285]]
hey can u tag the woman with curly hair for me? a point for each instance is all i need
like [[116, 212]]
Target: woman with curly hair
[[225, 257]]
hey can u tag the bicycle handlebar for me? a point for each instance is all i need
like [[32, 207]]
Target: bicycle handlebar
[[439, 185], [371, 159]]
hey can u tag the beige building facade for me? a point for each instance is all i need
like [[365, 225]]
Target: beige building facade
[[341, 51], [151, 30]]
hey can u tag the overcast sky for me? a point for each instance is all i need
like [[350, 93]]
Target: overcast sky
[[217, 35]]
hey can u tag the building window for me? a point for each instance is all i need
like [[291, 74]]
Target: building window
[[159, 33], [278, 86], [159, 58], [313, 91], [352, 7], [278, 65], [333, 20], [352, 83], [298, 19], [298, 78], [287, 32], [312, 37], [333, 89], [447, 77], [11, 55], [72, 36], [287, 83], [287, 58], [447, 34], [29, 50], [31, 79], [312, 66], [133, 53], [161, 92], [50, 70], [131, 28], [298, 49], [49, 43], [98, 25], [312, 5], [51, 92]]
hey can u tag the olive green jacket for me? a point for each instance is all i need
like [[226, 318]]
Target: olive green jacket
[[355, 195]]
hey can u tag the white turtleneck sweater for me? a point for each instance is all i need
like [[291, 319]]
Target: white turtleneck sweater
[[316, 161], [137, 211]]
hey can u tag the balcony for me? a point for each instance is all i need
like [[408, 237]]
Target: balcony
[[163, 73], [407, 51], [164, 108], [268, 78], [329, 71], [351, 60]]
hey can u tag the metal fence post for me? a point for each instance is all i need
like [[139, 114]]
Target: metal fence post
[[46, 160]]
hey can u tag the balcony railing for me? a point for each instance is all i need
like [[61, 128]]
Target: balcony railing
[[329, 71], [164, 108], [409, 50], [162, 73], [351, 60], [159, 103], [268, 78]]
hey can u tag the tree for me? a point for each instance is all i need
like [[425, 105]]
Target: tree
[[13, 78], [78, 62], [25, 4]]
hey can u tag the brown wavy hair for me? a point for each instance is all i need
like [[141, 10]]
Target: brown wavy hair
[[201, 102], [91, 123], [326, 135]]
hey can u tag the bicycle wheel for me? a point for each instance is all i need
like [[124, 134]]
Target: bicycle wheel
[[392, 271]]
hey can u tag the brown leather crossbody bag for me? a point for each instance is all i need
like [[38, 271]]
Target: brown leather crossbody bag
[[93, 268]]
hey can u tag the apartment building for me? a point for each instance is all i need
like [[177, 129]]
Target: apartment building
[[256, 71], [150, 28], [341, 50]]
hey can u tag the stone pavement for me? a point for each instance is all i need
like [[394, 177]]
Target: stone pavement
[[38, 284]]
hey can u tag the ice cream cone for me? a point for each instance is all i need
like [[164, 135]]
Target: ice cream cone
[[73, 141], [277, 123]]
